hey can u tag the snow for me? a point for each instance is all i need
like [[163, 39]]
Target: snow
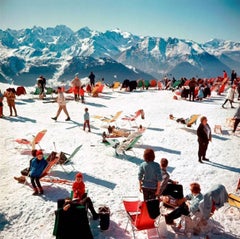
[[109, 178]]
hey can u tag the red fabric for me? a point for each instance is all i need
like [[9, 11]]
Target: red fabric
[[78, 189], [20, 91], [81, 92]]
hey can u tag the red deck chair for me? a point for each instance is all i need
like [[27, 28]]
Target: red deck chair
[[138, 215], [48, 168], [36, 140], [132, 118]]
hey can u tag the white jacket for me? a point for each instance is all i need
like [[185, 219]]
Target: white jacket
[[230, 94]]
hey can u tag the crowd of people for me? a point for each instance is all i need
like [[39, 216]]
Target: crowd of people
[[154, 180]]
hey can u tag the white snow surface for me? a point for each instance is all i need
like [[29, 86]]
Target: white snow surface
[[109, 178]]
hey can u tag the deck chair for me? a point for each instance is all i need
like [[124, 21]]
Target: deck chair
[[50, 165], [108, 120], [126, 145], [138, 215], [64, 160], [31, 144], [192, 120], [132, 118]]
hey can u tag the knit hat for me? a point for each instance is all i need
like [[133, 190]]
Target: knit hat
[[39, 152], [79, 175]]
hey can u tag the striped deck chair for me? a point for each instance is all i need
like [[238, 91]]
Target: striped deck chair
[[126, 145], [32, 143], [68, 159]]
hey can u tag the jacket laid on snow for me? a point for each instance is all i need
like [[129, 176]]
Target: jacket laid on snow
[[150, 174], [37, 166]]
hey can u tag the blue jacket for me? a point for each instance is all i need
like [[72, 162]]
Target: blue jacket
[[37, 167], [150, 174], [194, 202]]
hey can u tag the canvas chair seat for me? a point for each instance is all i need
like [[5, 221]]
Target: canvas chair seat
[[31, 144], [138, 216], [66, 159]]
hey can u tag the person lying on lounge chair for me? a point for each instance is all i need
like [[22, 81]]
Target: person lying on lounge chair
[[187, 121], [114, 133]]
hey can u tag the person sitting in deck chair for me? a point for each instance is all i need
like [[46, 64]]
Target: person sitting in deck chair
[[187, 121], [189, 206], [169, 186], [80, 196]]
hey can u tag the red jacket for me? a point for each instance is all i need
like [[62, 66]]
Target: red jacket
[[78, 189]]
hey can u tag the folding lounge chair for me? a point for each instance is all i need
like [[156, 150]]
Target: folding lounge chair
[[192, 120], [125, 145], [109, 120], [69, 159], [138, 215], [36, 140], [132, 118]]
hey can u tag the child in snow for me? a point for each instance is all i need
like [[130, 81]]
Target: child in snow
[[37, 166], [81, 93], [25, 172], [86, 120], [62, 104], [149, 176], [200, 94], [80, 195], [10, 94], [1, 104]]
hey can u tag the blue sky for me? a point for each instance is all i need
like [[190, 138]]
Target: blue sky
[[198, 20]]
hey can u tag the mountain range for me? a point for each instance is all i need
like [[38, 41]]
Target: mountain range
[[59, 53]]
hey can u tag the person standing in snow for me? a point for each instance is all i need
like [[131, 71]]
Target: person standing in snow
[[1, 104], [81, 93], [192, 84], [62, 105], [10, 94], [37, 165], [233, 76], [92, 79], [230, 96], [237, 119], [41, 82], [76, 84], [204, 136], [86, 118], [149, 176]]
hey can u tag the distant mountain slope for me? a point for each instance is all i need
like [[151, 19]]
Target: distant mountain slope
[[58, 53]]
